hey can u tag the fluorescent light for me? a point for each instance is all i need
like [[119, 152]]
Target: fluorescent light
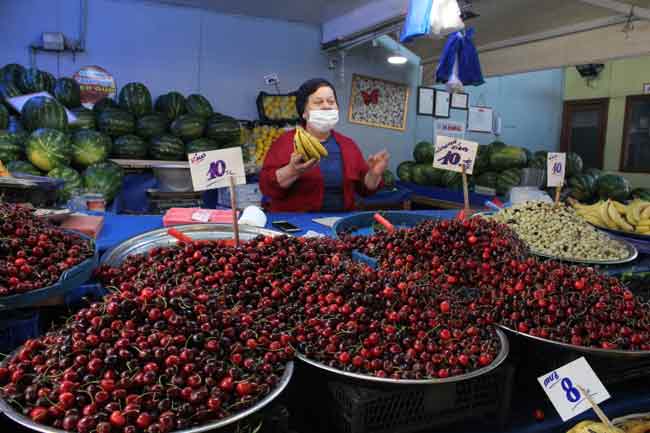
[[397, 59]]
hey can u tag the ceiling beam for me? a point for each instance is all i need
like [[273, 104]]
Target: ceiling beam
[[621, 8], [365, 17]]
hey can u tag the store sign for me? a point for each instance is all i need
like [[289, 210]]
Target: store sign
[[555, 168], [96, 84], [214, 169], [453, 154], [562, 388], [449, 127]]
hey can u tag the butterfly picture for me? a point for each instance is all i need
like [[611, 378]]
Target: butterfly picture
[[370, 97]]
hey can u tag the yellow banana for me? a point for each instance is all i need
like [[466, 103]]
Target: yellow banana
[[645, 222], [299, 148], [604, 215], [594, 219], [306, 143], [315, 144], [646, 213], [581, 427], [642, 229], [620, 207], [633, 213], [614, 214]]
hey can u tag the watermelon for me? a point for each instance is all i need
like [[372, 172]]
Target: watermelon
[[508, 179], [573, 164], [451, 179], [593, 172], [135, 98], [48, 149], [4, 117], [224, 130], [404, 171], [167, 148], [8, 90], [419, 175], [23, 167], [171, 105], [496, 145], [507, 157], [389, 179], [105, 104], [201, 145], [116, 123], [103, 178], [488, 179], [538, 162], [50, 82], [199, 106], [188, 127], [73, 182], [130, 147], [32, 80], [11, 146], [482, 161], [11, 73], [43, 112], [67, 92], [529, 155], [613, 186], [541, 154], [641, 194], [582, 187], [151, 125], [85, 119], [423, 152], [89, 147]]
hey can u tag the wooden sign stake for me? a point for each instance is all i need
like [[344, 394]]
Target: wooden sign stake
[[233, 206], [558, 190], [599, 412], [465, 188]]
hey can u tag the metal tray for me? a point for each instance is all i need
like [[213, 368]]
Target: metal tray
[[503, 353], [593, 351], [159, 238], [9, 411], [633, 253], [621, 233], [69, 280]]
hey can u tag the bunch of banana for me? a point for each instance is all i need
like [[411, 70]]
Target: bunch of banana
[[594, 427], [307, 145], [633, 217]]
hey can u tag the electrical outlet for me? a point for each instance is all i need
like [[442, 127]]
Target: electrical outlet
[[272, 79]]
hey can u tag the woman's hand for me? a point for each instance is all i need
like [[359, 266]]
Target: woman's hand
[[377, 164], [288, 174]]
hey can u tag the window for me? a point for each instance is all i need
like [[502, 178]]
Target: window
[[584, 126], [635, 154]]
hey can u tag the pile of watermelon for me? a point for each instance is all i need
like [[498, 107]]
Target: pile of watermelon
[[39, 140]]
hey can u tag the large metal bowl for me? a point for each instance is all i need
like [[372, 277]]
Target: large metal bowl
[[160, 238], [632, 255], [503, 354], [9, 411]]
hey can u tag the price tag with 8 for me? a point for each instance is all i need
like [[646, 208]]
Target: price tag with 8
[[561, 387], [213, 169], [453, 153], [555, 168]]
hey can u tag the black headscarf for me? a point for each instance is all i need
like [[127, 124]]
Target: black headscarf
[[307, 89]]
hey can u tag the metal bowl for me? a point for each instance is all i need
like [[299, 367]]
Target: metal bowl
[[503, 353], [9, 411], [593, 351], [633, 254], [159, 238]]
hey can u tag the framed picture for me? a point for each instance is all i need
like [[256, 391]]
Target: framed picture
[[646, 88], [459, 101], [378, 103], [441, 105], [425, 101], [480, 119]]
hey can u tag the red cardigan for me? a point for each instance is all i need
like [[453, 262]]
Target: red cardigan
[[306, 193]]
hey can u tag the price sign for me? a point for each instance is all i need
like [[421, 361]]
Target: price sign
[[453, 154], [561, 387], [214, 169], [555, 168]]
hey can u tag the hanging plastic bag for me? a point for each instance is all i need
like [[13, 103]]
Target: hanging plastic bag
[[454, 85], [417, 20], [445, 17]]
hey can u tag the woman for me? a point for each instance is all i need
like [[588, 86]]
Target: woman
[[328, 185]]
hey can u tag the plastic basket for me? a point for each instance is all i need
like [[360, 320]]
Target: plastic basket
[[16, 327], [40, 191], [69, 280], [269, 117]]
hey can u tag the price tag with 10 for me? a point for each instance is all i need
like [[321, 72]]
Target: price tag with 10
[[454, 154], [555, 168], [213, 169]]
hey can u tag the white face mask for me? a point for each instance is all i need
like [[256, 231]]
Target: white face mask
[[323, 120]]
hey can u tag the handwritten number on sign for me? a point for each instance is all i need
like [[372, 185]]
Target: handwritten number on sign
[[572, 393], [557, 168], [217, 169], [452, 158]]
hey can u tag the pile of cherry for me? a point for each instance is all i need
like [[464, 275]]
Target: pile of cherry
[[197, 332], [34, 253]]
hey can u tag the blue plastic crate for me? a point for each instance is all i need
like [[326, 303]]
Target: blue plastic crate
[[16, 327]]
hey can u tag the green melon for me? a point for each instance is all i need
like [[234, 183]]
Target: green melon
[[496, 145], [130, 147], [23, 167], [85, 119], [151, 125], [188, 127], [116, 123], [419, 174], [89, 147], [43, 112], [225, 130], [482, 161], [488, 179], [613, 186], [103, 178], [48, 149], [508, 179], [4, 117], [50, 82], [8, 90], [105, 104], [574, 164], [67, 92], [135, 98], [538, 162], [423, 152], [529, 155], [11, 73], [404, 171], [507, 157], [171, 105], [73, 184], [32, 81], [582, 187], [199, 106], [451, 179], [593, 172], [641, 194], [389, 179], [11, 147], [167, 148], [201, 145]]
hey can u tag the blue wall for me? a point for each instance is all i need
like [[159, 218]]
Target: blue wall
[[530, 106]]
